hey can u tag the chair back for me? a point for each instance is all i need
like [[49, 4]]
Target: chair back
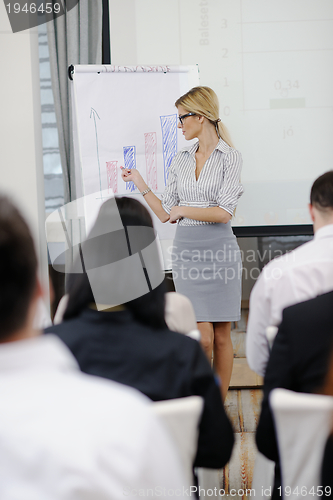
[[179, 313], [208, 479], [303, 423], [271, 332], [181, 419], [263, 477]]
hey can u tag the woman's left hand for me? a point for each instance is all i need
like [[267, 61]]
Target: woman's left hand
[[175, 214]]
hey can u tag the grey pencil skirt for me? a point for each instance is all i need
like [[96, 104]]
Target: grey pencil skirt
[[207, 268]]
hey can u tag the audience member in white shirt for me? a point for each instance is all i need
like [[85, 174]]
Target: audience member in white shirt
[[65, 435], [294, 277]]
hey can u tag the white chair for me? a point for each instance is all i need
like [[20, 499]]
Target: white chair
[[271, 332], [194, 334], [208, 479], [263, 476], [180, 316], [303, 423], [181, 418]]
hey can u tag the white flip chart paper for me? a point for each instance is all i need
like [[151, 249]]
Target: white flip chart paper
[[125, 117]]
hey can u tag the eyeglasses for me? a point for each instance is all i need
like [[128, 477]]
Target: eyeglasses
[[181, 117]]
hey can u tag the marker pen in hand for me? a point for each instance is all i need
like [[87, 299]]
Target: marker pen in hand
[[126, 169]]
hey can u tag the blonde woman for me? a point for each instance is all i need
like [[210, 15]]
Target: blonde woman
[[201, 195]]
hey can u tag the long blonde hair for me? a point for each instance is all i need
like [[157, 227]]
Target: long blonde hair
[[204, 102]]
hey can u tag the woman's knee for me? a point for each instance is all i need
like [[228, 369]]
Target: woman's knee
[[206, 343], [207, 335], [222, 336]]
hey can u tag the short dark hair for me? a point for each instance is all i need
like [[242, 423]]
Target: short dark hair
[[321, 196], [147, 309], [18, 268]]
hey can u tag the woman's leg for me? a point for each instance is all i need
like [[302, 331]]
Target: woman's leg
[[223, 354], [207, 338]]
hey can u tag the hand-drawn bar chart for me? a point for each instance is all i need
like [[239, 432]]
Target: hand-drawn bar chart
[[130, 162], [151, 159], [127, 119], [112, 175], [169, 137]]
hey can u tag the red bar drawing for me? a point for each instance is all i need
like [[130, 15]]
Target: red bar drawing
[[151, 159], [111, 174]]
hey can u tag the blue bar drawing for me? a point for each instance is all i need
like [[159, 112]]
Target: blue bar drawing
[[169, 137], [130, 162]]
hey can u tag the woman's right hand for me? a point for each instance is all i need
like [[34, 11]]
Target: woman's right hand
[[133, 175], [153, 201]]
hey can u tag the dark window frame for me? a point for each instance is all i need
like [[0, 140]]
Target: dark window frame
[[106, 48]]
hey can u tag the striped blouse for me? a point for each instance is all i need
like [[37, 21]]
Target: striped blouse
[[218, 184]]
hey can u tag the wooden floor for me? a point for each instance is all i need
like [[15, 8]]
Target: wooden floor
[[243, 406]]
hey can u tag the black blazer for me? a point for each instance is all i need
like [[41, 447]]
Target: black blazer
[[160, 363], [298, 361]]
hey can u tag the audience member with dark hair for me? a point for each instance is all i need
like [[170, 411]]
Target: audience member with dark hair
[[130, 343], [147, 309], [294, 277], [65, 435], [18, 270]]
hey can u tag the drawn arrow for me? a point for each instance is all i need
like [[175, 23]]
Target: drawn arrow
[[94, 113]]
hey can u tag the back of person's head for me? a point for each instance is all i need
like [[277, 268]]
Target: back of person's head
[[18, 269], [321, 196], [203, 101], [147, 309]]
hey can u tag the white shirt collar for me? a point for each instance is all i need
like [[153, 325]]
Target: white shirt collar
[[324, 232], [221, 146], [45, 352]]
